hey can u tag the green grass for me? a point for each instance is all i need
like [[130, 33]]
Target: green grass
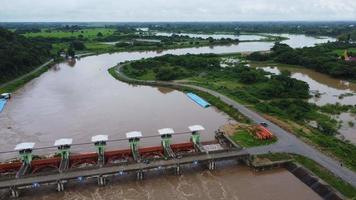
[[340, 52], [88, 33], [150, 75], [344, 188], [98, 46], [246, 139], [346, 152]]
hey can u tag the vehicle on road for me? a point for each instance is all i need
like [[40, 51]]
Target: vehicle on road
[[264, 124]]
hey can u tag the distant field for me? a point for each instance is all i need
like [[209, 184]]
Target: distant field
[[341, 51], [88, 33]]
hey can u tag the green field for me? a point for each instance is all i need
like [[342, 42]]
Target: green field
[[340, 52], [87, 33]]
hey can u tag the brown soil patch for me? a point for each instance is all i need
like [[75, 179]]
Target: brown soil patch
[[232, 127]]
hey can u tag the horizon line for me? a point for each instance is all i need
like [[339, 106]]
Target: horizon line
[[197, 21]]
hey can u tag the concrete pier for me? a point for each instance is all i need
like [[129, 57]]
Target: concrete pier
[[101, 180], [60, 186]]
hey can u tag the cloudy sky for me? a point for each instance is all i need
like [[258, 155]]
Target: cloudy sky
[[176, 10]]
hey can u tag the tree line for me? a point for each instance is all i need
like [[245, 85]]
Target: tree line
[[321, 58], [20, 55]]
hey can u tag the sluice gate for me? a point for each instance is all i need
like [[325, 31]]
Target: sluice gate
[[65, 167]]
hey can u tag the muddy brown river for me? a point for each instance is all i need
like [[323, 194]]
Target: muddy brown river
[[234, 182], [80, 99]]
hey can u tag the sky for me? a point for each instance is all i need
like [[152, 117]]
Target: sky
[[176, 10]]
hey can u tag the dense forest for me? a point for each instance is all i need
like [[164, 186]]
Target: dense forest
[[322, 58], [19, 55]]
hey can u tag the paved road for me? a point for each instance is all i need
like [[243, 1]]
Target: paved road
[[287, 142], [31, 72]]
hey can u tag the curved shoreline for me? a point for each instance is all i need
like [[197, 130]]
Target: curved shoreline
[[287, 142]]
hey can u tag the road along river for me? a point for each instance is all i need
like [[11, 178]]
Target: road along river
[[80, 99]]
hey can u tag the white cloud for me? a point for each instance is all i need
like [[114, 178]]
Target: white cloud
[[176, 10]]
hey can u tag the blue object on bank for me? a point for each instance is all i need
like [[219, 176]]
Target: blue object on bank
[[2, 104], [198, 100]]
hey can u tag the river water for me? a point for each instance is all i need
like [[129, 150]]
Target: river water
[[235, 182], [294, 40], [79, 99]]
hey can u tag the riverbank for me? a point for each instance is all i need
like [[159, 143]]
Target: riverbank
[[210, 98], [17, 83], [321, 58], [313, 168], [335, 97]]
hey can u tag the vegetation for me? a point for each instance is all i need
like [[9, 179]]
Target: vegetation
[[19, 55], [81, 39], [170, 67], [16, 84], [309, 28], [345, 152], [343, 187], [336, 109], [321, 58], [25, 48], [279, 96], [69, 32], [348, 36], [244, 138]]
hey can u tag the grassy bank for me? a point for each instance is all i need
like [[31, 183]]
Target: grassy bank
[[343, 187], [343, 151], [245, 139], [14, 85], [101, 47]]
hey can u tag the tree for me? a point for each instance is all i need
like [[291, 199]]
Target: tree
[[20, 55], [210, 39], [327, 128], [99, 34], [286, 72], [165, 74], [71, 52], [257, 56], [77, 45]]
